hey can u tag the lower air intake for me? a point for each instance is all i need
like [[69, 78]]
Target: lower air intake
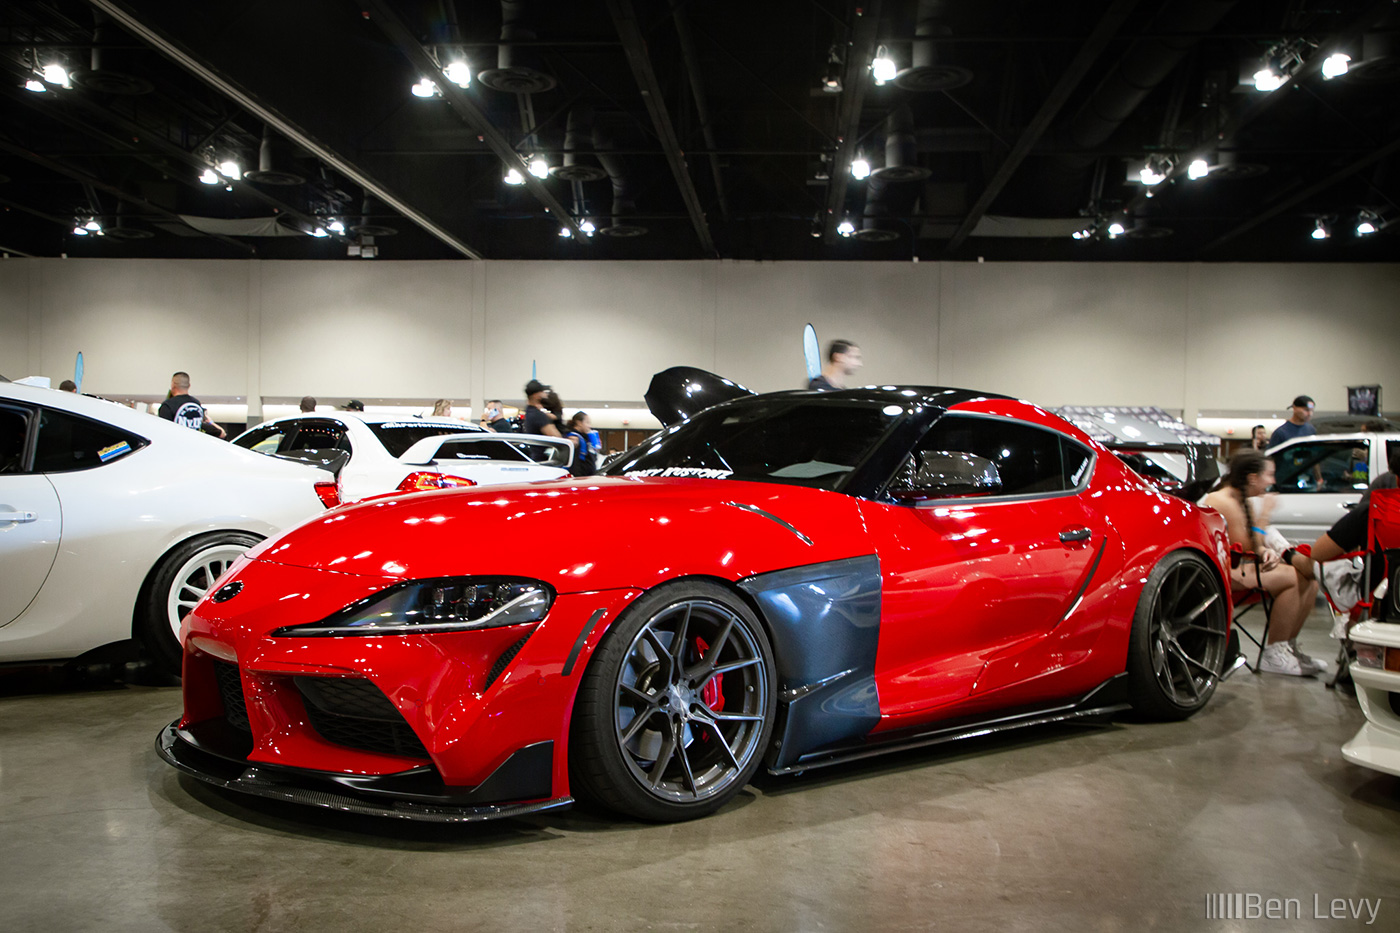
[[355, 713]]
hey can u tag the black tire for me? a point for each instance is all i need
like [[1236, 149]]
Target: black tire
[[651, 698], [192, 566], [1179, 642]]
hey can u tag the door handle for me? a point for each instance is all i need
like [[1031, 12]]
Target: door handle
[[18, 517], [1350, 505], [1075, 534]]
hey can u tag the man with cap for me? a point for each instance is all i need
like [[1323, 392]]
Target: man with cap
[[354, 405], [538, 419], [1297, 423]]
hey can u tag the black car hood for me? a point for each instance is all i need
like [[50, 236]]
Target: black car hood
[[677, 393]]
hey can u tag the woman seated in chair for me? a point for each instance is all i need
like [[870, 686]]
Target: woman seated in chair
[[1250, 473]]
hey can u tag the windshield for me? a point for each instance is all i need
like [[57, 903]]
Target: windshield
[[799, 441], [398, 436]]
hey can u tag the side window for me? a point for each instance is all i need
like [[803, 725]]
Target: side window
[[264, 440], [1028, 460], [479, 450], [1392, 449], [14, 426], [69, 442], [319, 434], [1338, 466]]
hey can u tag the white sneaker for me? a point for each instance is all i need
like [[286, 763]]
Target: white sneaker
[[1278, 659], [1306, 660]]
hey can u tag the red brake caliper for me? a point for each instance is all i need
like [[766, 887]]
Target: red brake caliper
[[713, 694]]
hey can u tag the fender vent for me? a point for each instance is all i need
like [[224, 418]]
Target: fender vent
[[503, 661]]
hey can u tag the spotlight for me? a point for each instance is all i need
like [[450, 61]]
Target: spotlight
[[35, 85], [426, 88], [78, 230], [459, 73], [1267, 79], [1116, 230], [208, 177], [513, 177], [336, 227], [831, 81], [860, 169], [56, 74], [883, 67], [320, 233], [92, 226], [230, 170], [1335, 65], [538, 166], [1320, 231], [587, 227], [565, 232], [1080, 234], [1366, 223], [1198, 168], [1151, 176], [846, 228]]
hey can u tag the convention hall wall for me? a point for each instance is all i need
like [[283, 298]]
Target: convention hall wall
[[1185, 336]]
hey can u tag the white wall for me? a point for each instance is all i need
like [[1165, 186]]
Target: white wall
[[1184, 336]]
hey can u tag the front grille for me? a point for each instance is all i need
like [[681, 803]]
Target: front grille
[[230, 683], [355, 713]]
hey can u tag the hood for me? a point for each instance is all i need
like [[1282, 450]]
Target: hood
[[582, 534], [677, 393]]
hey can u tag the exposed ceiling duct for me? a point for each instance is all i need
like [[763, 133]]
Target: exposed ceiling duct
[[518, 69], [925, 72], [624, 202], [901, 149], [367, 226], [274, 162], [578, 135], [891, 192], [120, 229], [103, 76]]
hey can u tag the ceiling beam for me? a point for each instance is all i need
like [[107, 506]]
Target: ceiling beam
[[191, 63], [702, 104], [1070, 79], [1316, 188], [86, 179], [860, 51], [634, 45], [384, 15]]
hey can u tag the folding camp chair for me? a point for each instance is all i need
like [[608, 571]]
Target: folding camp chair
[[1255, 597]]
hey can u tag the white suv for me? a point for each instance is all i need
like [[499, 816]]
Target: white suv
[[1321, 476]]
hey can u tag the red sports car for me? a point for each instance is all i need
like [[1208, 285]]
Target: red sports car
[[783, 581]]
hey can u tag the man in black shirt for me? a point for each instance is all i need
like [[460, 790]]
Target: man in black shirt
[[842, 361], [184, 409], [537, 419], [496, 419]]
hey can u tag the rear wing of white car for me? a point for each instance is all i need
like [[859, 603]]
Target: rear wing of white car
[[500, 448]]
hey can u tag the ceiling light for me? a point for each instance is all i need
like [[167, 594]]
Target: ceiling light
[[883, 67], [587, 227], [539, 166], [1266, 79], [35, 85], [320, 233], [1320, 231], [1366, 223], [1116, 229], [846, 228], [56, 74], [425, 88], [1150, 176], [208, 177], [1335, 65], [459, 73], [336, 227], [79, 231], [513, 177], [565, 232], [92, 226], [230, 170], [860, 168], [831, 81], [1198, 168]]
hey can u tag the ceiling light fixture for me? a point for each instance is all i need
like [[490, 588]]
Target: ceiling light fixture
[[1153, 173], [846, 228], [1366, 223], [336, 227], [56, 74], [1335, 65], [1320, 230], [208, 177], [1266, 79], [35, 85], [860, 168], [230, 170], [459, 73], [1198, 169], [565, 232], [78, 230], [883, 67], [587, 227], [1115, 230], [513, 177], [426, 88], [831, 81], [320, 233], [538, 166]]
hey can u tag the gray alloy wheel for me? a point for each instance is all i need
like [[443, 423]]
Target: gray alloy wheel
[[1179, 637], [677, 706]]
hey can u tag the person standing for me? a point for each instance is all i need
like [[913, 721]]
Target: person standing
[[68, 385], [585, 460], [495, 418], [184, 409], [1297, 424], [1258, 437], [538, 419], [842, 360]]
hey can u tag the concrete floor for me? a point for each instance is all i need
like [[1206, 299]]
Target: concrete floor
[[1127, 827]]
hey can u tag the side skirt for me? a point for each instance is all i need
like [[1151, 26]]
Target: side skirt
[[1105, 700]]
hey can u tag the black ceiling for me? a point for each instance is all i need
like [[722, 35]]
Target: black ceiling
[[701, 129]]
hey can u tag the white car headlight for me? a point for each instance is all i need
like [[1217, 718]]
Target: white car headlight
[[445, 604]]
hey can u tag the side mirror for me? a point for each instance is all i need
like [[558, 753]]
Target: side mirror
[[938, 474]]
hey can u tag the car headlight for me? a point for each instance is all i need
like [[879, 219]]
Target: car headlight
[[445, 604]]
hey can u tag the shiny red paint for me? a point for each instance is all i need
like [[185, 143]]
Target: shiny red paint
[[979, 606]]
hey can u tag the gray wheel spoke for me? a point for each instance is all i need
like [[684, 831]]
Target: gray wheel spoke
[[648, 698], [685, 769], [663, 653], [734, 666], [1190, 678], [636, 725], [678, 645], [1201, 607], [1209, 631], [713, 728], [663, 757], [1192, 661], [735, 717]]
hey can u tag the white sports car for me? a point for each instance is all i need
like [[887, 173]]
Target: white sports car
[[1376, 672], [114, 523], [389, 453]]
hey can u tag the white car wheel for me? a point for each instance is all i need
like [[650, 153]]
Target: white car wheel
[[195, 578], [181, 580]]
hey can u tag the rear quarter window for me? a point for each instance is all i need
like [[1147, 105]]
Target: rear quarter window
[[69, 442]]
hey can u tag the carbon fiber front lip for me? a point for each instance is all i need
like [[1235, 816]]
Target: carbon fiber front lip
[[282, 784]]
